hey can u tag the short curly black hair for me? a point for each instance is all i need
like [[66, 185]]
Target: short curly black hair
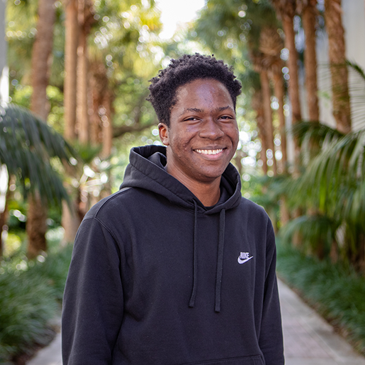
[[182, 71]]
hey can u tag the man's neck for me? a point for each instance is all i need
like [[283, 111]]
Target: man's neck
[[209, 198], [208, 193]]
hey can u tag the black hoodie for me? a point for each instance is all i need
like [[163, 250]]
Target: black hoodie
[[157, 278]]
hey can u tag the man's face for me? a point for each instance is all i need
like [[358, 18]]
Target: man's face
[[203, 134]]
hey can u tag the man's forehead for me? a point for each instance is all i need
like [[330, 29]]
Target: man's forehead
[[200, 110]]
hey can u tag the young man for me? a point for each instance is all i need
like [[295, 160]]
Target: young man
[[177, 267]]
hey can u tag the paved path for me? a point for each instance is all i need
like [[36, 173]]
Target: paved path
[[50, 355], [308, 339]]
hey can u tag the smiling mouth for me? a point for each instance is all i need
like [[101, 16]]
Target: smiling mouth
[[210, 152]]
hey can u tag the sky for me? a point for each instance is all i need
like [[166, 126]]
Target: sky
[[174, 12]]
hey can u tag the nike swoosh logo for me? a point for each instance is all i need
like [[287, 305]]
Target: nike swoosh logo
[[242, 261]]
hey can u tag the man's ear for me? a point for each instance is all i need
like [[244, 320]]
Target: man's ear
[[163, 131]]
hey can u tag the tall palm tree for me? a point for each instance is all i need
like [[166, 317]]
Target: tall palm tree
[[70, 221], [286, 11], [41, 53], [271, 45], [339, 73]]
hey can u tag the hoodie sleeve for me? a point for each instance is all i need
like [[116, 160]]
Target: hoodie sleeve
[[93, 298], [271, 337]]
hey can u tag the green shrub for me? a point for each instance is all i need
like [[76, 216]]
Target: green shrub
[[31, 294], [337, 292]]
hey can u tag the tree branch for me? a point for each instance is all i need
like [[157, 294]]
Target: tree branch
[[120, 131]]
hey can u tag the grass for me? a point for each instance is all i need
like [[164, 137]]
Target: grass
[[31, 294], [336, 292]]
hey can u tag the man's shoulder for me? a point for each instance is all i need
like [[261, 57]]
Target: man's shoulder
[[112, 204], [254, 209]]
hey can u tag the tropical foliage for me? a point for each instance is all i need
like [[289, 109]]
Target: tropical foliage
[[27, 145]]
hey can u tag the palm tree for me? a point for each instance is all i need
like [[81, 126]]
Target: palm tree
[[271, 45], [70, 221], [339, 73], [86, 14], [41, 52], [286, 11], [26, 146], [71, 42], [334, 183], [309, 11], [266, 93], [262, 65], [257, 105]]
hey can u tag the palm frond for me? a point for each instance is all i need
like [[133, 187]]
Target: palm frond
[[27, 146], [317, 232], [315, 131], [357, 68], [336, 177]]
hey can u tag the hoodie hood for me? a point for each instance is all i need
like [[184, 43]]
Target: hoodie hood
[[146, 170]]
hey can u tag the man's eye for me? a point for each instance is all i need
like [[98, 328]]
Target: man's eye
[[226, 117], [191, 118]]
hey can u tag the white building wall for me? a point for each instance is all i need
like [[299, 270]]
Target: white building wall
[[353, 18], [354, 24]]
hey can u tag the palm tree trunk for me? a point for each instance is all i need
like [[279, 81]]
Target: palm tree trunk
[[279, 94], [337, 57], [41, 57], [266, 94], [310, 60], [107, 126], [293, 84], [82, 78], [98, 86], [288, 26], [107, 137], [70, 222], [77, 68], [260, 120], [71, 26], [36, 227]]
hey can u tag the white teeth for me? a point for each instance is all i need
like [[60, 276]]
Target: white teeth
[[209, 152]]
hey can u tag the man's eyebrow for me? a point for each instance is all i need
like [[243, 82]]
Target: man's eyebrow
[[222, 108], [196, 110], [193, 110]]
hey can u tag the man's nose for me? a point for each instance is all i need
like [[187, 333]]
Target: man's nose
[[211, 129]]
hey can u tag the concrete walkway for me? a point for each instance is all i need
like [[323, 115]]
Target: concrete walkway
[[308, 339]]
